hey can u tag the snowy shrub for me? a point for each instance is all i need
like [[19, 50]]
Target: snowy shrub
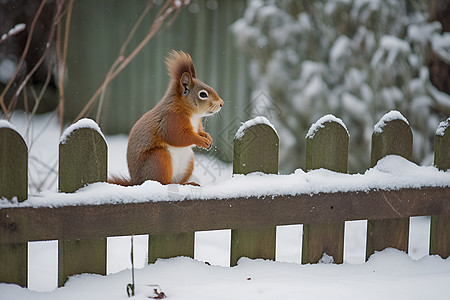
[[356, 59]]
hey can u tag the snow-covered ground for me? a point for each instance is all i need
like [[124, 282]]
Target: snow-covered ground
[[388, 274]]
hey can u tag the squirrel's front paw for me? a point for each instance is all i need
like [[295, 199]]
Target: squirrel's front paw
[[205, 143], [206, 135]]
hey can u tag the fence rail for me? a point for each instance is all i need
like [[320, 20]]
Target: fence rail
[[82, 230]]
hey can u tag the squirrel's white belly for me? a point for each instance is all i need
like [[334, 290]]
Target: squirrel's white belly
[[181, 158]]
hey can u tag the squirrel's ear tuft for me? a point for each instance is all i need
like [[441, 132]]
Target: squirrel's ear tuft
[[178, 63]]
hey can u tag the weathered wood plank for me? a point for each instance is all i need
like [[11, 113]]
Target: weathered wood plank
[[393, 137], [440, 225], [21, 224], [82, 160], [255, 151], [13, 184], [327, 148]]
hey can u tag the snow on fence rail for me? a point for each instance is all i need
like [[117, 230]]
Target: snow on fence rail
[[82, 229]]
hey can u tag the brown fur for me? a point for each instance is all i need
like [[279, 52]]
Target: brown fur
[[168, 124]]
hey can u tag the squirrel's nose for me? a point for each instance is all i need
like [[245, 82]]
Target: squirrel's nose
[[221, 102]]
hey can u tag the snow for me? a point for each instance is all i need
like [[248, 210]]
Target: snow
[[390, 173], [255, 121], [7, 68], [443, 127], [82, 123], [16, 29], [423, 32], [441, 45], [390, 116], [320, 124], [339, 49], [389, 274], [6, 124]]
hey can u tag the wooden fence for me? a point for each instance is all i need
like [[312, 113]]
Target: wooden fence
[[82, 230]]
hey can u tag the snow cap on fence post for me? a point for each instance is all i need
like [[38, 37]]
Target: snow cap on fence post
[[13, 163], [391, 136], [442, 146], [327, 145], [256, 145], [82, 156]]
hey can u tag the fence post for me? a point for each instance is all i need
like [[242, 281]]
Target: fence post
[[326, 147], [440, 225], [13, 183], [256, 148], [82, 160], [392, 136]]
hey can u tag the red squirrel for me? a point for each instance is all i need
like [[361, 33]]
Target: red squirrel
[[160, 143]]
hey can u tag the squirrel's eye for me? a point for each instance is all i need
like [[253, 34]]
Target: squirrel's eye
[[203, 94]]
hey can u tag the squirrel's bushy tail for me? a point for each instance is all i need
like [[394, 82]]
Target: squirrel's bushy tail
[[120, 180]]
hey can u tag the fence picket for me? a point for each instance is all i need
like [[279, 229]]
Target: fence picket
[[13, 183], [255, 151], [394, 137], [82, 160], [170, 245], [327, 148], [440, 225]]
